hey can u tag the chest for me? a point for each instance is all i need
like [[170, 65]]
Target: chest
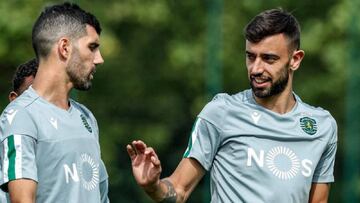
[[278, 155], [62, 134]]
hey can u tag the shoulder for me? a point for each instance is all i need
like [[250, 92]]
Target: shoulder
[[17, 118], [216, 107], [19, 106], [82, 108], [323, 119], [23, 104], [86, 115], [220, 105], [320, 113]]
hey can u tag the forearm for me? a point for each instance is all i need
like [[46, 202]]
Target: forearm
[[164, 192], [147, 169], [22, 191], [178, 187], [319, 193]]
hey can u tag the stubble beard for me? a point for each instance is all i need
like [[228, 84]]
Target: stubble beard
[[276, 88], [75, 71]]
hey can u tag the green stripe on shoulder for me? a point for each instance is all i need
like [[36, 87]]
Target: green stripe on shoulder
[[11, 156], [187, 152]]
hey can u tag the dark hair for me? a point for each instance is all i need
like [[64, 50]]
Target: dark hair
[[271, 22], [57, 21], [22, 71]]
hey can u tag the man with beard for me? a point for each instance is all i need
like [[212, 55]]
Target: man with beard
[[50, 142], [260, 145]]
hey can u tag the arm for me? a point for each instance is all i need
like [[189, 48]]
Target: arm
[[22, 191], [319, 193], [147, 169], [19, 178], [186, 176], [323, 174], [18, 147]]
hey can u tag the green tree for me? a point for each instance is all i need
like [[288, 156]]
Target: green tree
[[153, 82]]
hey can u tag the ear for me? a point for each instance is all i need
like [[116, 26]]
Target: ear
[[64, 48], [296, 59], [12, 96]]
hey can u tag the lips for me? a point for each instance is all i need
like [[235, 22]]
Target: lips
[[260, 82]]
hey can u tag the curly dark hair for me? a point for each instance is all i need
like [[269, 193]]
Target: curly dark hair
[[22, 71]]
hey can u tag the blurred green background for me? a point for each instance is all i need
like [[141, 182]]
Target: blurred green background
[[165, 59]]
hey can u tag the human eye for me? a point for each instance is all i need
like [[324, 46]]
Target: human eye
[[270, 58], [93, 46], [250, 56]]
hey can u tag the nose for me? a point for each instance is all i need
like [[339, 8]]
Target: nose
[[98, 58], [257, 67]]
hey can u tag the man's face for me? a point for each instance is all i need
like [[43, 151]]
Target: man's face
[[83, 60], [268, 64]]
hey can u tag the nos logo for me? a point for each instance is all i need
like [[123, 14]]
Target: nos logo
[[86, 170], [281, 161]]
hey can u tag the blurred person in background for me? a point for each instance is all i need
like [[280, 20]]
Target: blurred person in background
[[22, 79], [261, 145]]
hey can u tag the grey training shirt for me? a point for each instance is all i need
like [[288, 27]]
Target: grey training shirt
[[59, 149], [256, 155]]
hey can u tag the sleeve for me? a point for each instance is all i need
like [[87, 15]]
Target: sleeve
[[3, 197], [324, 171], [203, 143], [18, 135], [18, 159], [104, 183], [205, 136]]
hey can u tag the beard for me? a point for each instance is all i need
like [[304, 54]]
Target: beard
[[276, 87], [76, 71]]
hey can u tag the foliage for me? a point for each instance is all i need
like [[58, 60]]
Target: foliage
[[153, 82]]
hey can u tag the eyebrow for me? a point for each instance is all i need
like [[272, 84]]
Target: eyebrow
[[273, 56], [248, 52]]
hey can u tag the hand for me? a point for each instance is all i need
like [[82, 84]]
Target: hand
[[145, 165]]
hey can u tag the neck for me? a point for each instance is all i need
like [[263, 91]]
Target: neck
[[280, 103], [51, 84]]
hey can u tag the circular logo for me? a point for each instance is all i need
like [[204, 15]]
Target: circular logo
[[308, 125], [283, 162], [89, 172]]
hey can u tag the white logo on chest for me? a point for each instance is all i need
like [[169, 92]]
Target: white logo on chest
[[281, 161], [256, 117], [86, 170]]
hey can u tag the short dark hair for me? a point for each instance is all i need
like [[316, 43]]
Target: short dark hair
[[24, 70], [271, 22], [56, 21]]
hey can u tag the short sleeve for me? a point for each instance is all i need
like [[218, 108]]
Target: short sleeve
[[18, 159], [17, 121], [203, 143], [324, 171]]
